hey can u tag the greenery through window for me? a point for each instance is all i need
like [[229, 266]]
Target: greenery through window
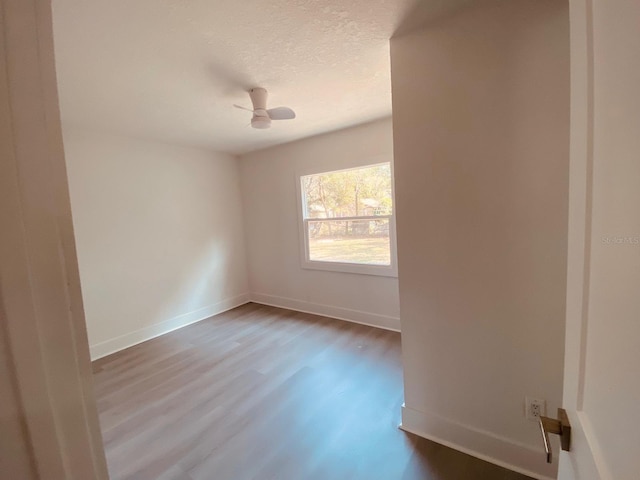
[[347, 215]]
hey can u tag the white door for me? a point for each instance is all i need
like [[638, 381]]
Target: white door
[[602, 356]]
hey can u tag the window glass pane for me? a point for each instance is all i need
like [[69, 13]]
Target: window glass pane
[[350, 241], [348, 193]]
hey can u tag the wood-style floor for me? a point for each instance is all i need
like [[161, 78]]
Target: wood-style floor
[[267, 394]]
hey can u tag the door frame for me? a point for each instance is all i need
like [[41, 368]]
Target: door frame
[[41, 311], [584, 461]]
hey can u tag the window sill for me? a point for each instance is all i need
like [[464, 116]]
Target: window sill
[[354, 268]]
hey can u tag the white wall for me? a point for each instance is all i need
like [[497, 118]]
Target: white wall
[[159, 235], [272, 230], [481, 103]]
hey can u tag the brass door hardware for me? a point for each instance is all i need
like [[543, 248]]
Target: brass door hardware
[[561, 427]]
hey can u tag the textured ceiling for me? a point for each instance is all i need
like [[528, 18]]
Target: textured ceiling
[[172, 69]]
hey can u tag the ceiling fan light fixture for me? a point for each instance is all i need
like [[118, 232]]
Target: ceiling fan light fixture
[[260, 122]]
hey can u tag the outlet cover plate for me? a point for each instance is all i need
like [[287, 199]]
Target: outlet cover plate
[[535, 408]]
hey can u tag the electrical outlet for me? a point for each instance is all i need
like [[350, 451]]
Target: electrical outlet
[[534, 408]]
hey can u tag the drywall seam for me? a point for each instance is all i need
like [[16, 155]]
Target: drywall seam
[[340, 313], [130, 339]]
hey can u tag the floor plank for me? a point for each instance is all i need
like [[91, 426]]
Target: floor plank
[[261, 393]]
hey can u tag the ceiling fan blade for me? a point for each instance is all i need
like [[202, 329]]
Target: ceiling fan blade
[[242, 108], [281, 113]]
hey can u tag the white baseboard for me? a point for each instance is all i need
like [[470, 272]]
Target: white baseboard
[[479, 443], [355, 316], [127, 340]]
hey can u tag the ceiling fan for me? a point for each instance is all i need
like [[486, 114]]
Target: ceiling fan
[[261, 115]]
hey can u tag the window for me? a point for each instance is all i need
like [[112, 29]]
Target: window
[[347, 220]]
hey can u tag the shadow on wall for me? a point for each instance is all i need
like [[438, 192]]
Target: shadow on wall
[[191, 289]]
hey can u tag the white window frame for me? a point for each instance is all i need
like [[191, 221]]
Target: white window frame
[[345, 267]]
